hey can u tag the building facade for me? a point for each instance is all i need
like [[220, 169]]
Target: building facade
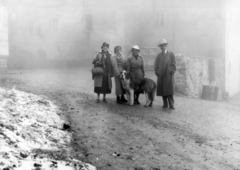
[[4, 49], [70, 32]]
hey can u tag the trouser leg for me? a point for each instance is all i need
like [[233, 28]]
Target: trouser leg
[[165, 101], [170, 100], [118, 99], [136, 96]]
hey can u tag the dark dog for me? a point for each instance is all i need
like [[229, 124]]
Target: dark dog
[[149, 88], [147, 85]]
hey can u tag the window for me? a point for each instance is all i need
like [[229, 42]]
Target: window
[[55, 24], [88, 22], [152, 51], [162, 19], [85, 3], [157, 19], [144, 50], [30, 26]]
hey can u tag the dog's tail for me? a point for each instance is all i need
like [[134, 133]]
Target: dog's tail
[[153, 92]]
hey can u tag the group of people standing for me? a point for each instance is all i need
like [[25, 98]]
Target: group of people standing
[[113, 65]]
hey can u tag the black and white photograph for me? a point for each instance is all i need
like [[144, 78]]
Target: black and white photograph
[[119, 85]]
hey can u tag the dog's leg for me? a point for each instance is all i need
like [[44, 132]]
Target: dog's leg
[[152, 94], [128, 97], [131, 97], [147, 100], [150, 98]]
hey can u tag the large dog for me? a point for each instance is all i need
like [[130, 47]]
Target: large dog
[[125, 80], [147, 85], [149, 88]]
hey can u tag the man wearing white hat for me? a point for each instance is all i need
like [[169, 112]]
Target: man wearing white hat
[[165, 67]]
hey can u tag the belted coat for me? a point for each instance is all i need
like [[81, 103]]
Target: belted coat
[[136, 70], [165, 68], [119, 64]]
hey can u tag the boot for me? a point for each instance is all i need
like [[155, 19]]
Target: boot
[[123, 100], [136, 96], [137, 99], [118, 100]]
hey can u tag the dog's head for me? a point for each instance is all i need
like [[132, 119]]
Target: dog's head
[[124, 75]]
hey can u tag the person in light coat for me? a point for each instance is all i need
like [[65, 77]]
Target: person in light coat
[[119, 64], [165, 68], [135, 68]]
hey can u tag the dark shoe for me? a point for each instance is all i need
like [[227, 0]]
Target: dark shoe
[[150, 105], [123, 100], [172, 107], [138, 103], [97, 101], [104, 100], [118, 100], [135, 102], [164, 106]]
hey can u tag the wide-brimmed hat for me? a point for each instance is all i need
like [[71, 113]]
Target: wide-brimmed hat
[[163, 42], [105, 45], [136, 47], [117, 48]]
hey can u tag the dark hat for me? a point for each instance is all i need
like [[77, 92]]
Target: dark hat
[[117, 48], [105, 45]]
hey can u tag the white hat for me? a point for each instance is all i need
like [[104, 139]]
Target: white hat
[[136, 47], [162, 42]]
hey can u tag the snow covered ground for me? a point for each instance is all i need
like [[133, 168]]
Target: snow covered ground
[[34, 134]]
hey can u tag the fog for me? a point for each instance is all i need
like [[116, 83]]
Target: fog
[[75, 29], [49, 33]]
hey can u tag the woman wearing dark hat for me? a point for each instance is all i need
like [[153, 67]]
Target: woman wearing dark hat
[[103, 83], [119, 64], [135, 67]]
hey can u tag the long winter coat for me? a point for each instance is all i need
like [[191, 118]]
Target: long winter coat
[[119, 64], [108, 71], [135, 67], [165, 67]]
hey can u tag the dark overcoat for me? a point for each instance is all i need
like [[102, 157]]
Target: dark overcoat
[[165, 67], [98, 79]]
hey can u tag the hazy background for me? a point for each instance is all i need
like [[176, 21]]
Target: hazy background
[[68, 33], [75, 29]]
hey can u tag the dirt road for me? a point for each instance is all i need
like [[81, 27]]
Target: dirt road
[[198, 135]]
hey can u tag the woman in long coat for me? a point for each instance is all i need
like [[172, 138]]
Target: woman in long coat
[[165, 67], [103, 83], [135, 67], [119, 64]]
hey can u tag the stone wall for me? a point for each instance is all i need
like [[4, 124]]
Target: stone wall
[[193, 73]]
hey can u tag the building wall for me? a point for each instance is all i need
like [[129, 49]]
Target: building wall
[[73, 30], [41, 31], [192, 27], [3, 37], [194, 78], [3, 29], [232, 84]]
